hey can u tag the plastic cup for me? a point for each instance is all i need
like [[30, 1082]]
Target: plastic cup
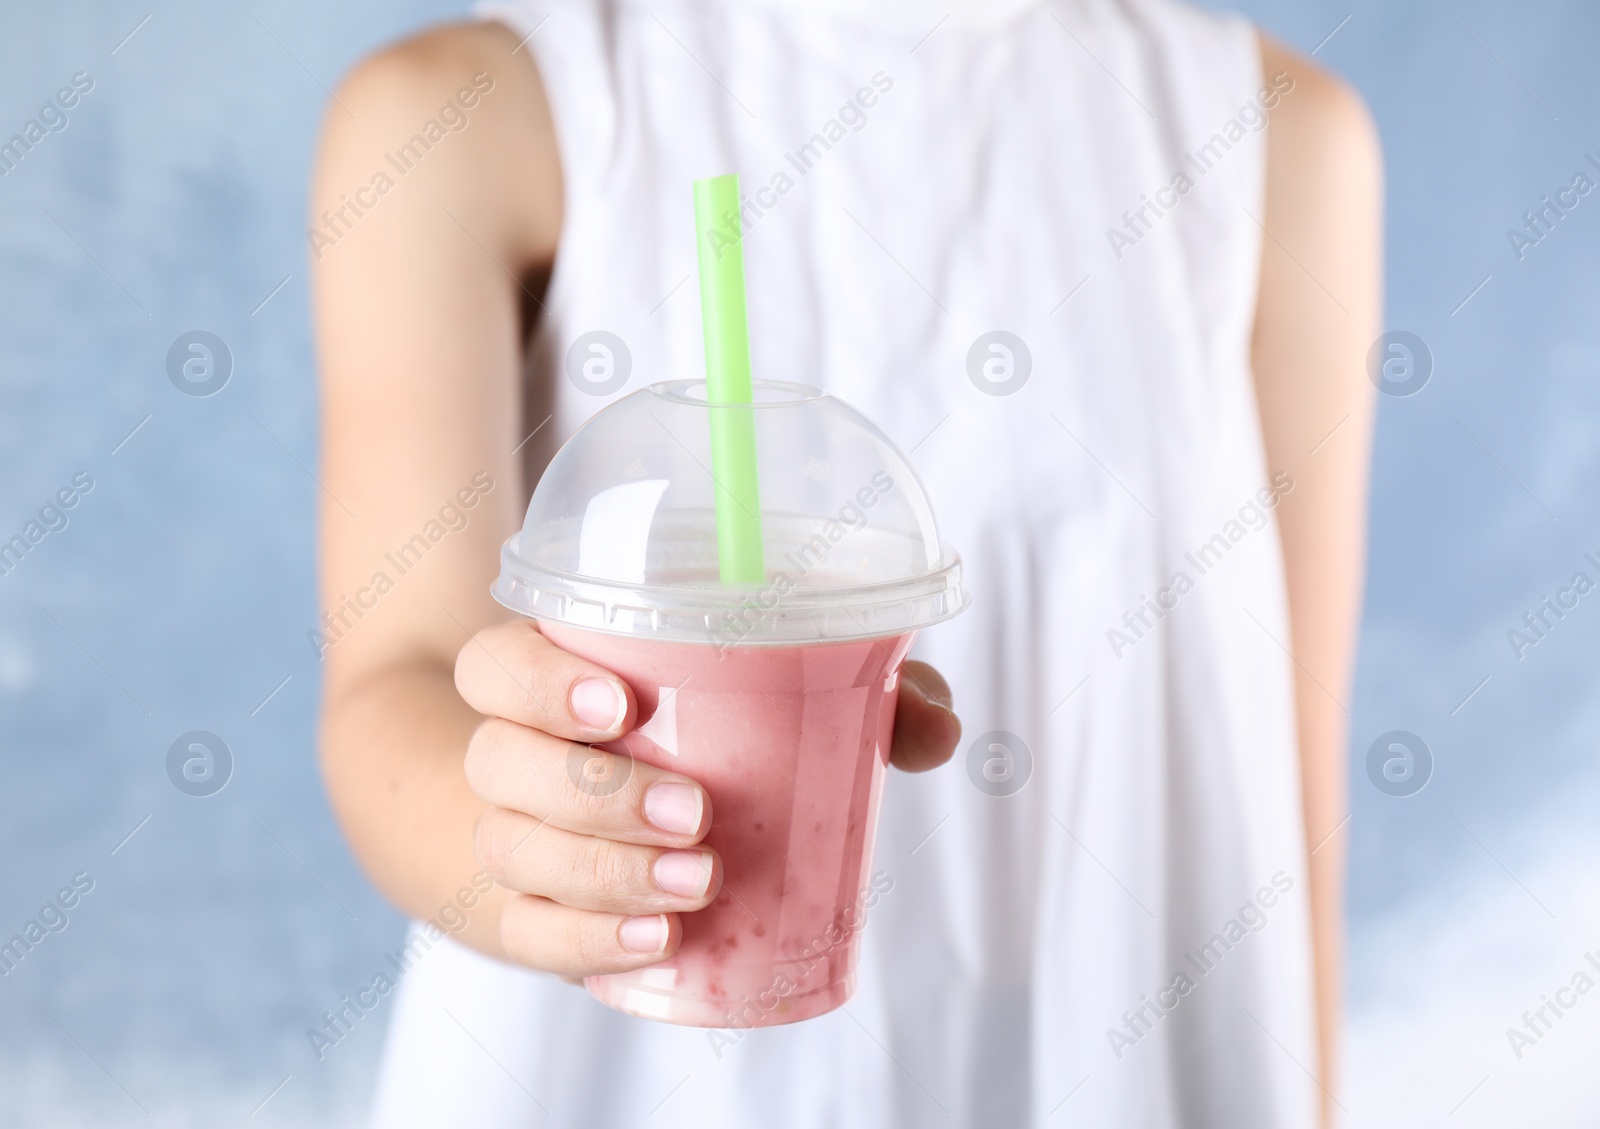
[[779, 699]]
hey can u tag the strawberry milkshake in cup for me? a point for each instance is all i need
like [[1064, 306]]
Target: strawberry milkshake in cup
[[764, 649]]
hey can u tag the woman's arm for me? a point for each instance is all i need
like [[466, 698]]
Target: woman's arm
[[437, 188], [1318, 312], [414, 247]]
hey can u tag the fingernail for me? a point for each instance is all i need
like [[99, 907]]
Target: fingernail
[[674, 807], [933, 699], [685, 873], [599, 704], [644, 934]]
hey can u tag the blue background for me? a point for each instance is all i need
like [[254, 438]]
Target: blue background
[[179, 596]]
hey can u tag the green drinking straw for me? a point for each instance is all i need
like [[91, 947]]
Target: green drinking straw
[[720, 237]]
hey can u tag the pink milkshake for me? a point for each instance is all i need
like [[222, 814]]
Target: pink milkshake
[[776, 692], [792, 744]]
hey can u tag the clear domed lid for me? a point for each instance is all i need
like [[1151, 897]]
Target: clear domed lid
[[621, 533]]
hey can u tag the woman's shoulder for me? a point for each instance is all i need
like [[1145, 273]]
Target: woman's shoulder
[[1320, 127], [434, 50], [463, 105]]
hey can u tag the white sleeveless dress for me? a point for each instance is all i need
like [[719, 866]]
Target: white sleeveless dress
[[1123, 940]]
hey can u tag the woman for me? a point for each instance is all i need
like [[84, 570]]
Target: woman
[[1157, 482]]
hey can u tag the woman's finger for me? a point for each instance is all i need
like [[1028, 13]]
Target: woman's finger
[[926, 731], [529, 856], [583, 789], [510, 670], [571, 942]]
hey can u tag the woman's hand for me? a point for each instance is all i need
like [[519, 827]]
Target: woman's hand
[[603, 852]]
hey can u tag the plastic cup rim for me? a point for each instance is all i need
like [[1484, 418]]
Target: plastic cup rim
[[677, 392], [949, 561]]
